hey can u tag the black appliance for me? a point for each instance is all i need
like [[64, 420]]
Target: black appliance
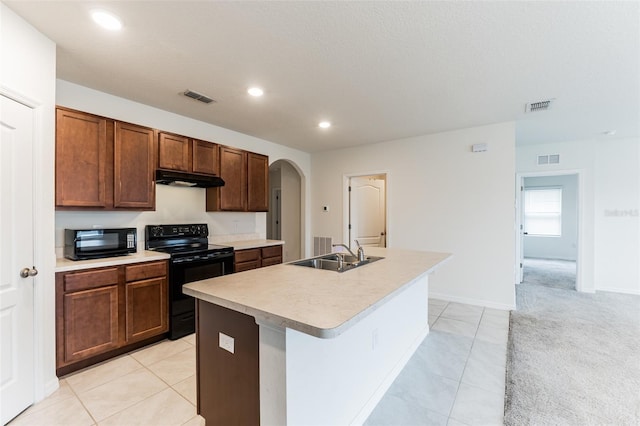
[[80, 244], [192, 259], [171, 177]]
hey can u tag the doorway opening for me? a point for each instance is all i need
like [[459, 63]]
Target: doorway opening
[[366, 210], [284, 218], [550, 227]]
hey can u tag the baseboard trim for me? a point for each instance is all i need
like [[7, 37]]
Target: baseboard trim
[[619, 290], [470, 301], [50, 387]]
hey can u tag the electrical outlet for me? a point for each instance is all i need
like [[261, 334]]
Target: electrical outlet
[[226, 342]]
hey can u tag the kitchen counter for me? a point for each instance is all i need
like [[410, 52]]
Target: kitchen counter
[[251, 244], [64, 264], [310, 346], [317, 302]]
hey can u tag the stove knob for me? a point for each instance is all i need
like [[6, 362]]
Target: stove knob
[[156, 231]]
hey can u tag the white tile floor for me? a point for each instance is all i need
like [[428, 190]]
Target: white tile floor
[[456, 377]]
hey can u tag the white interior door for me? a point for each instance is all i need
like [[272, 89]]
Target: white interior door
[[16, 254], [367, 211]]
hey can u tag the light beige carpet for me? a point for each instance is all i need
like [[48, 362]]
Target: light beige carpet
[[573, 358]]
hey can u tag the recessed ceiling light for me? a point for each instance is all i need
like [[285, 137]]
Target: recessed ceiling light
[[610, 133], [324, 124], [255, 91], [106, 20]]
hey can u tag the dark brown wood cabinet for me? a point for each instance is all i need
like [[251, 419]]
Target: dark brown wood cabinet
[[257, 258], [173, 152], [102, 312], [246, 176], [146, 295], [185, 154], [103, 164], [89, 308], [82, 159], [257, 182], [134, 167], [205, 157], [228, 384]]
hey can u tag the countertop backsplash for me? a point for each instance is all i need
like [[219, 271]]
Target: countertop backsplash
[[174, 205]]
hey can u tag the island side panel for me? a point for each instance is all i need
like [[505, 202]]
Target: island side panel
[[340, 380], [228, 383]]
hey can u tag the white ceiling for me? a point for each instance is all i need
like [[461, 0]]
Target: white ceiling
[[377, 70]]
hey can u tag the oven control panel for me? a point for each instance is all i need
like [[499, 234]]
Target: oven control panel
[[172, 231]]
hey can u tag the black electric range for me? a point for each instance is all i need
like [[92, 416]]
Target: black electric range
[[192, 259]]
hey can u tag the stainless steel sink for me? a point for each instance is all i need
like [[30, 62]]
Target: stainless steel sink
[[338, 262]]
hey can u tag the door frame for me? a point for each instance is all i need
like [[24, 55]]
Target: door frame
[[345, 202], [519, 210]]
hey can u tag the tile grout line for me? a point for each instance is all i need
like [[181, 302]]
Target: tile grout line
[[464, 369]]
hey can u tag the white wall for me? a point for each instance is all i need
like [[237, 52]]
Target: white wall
[[610, 223], [27, 74], [441, 197], [566, 245], [617, 216], [174, 205]]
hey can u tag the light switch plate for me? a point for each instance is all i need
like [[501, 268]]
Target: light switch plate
[[226, 342]]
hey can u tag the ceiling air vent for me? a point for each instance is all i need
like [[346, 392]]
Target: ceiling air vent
[[538, 106], [198, 96]]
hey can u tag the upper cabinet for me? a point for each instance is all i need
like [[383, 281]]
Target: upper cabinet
[[246, 177], [185, 154], [103, 164], [83, 163], [257, 182]]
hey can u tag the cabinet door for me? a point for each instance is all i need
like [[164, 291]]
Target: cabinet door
[[233, 170], [205, 157], [90, 322], [147, 309], [134, 167], [81, 159], [173, 152], [257, 182]]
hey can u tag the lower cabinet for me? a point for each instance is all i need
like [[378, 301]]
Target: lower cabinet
[[257, 258], [103, 312]]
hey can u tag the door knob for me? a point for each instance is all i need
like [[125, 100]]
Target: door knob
[[26, 272]]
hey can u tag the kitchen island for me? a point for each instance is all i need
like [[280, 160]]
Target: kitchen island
[[294, 345]]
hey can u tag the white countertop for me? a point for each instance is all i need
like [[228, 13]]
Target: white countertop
[[250, 244], [314, 301], [64, 265]]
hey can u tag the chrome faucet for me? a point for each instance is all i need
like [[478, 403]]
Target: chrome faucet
[[359, 256], [360, 251], [345, 246]]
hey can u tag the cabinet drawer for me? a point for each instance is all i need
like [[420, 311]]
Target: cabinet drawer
[[271, 261], [272, 251], [90, 279], [247, 255], [245, 266], [145, 271]]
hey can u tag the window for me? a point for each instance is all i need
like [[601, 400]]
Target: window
[[543, 211]]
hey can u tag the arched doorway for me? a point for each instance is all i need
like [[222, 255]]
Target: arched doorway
[[284, 219]]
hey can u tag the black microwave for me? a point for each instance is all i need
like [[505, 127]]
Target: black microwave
[[82, 244]]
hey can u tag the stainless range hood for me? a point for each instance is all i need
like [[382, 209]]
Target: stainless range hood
[[170, 177]]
